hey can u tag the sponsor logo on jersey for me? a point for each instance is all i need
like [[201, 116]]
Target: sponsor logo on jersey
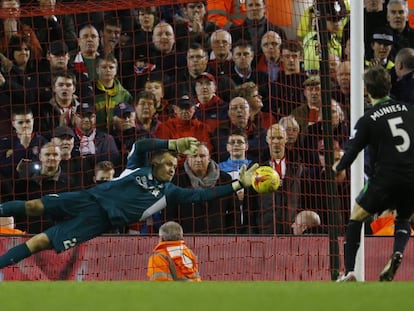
[[55, 195], [149, 184], [142, 181]]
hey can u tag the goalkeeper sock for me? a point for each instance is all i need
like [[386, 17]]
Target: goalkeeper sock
[[351, 244], [14, 255], [13, 208], [402, 234]]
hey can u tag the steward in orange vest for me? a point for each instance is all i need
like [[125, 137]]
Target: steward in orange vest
[[171, 259]]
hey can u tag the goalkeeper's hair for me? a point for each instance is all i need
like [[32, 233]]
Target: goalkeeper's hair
[[171, 231], [158, 154]]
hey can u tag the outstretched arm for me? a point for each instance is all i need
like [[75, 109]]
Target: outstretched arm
[[178, 195], [138, 155]]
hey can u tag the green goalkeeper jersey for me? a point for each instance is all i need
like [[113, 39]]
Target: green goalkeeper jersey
[[136, 194]]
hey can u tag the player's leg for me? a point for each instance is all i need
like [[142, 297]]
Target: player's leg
[[35, 244], [402, 230], [352, 241], [22, 208], [372, 199], [402, 233]]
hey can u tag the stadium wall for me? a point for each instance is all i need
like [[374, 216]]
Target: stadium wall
[[221, 258]]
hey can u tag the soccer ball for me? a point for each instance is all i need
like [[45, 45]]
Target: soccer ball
[[265, 179]]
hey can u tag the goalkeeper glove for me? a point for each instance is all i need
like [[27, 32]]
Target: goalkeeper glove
[[245, 177], [186, 145]]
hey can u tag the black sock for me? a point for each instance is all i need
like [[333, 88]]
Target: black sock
[[14, 255], [402, 232], [351, 244], [13, 208]]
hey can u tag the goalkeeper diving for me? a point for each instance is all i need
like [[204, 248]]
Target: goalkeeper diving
[[141, 190]]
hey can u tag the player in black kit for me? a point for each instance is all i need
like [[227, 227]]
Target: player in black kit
[[387, 130]]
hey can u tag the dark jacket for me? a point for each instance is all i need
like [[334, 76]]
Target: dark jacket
[[253, 32], [106, 149], [274, 212], [202, 217]]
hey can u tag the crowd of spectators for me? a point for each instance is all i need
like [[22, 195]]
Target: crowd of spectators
[[77, 90]]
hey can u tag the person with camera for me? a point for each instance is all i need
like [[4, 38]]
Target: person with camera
[[37, 178], [24, 143]]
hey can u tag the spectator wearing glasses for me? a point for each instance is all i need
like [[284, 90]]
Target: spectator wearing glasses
[[220, 55], [197, 63], [146, 121], [220, 43], [269, 60], [237, 146], [239, 118]]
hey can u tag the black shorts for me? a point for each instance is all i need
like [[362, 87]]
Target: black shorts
[[84, 219], [376, 198]]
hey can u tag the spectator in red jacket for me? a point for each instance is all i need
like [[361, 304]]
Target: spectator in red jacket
[[211, 108], [184, 124]]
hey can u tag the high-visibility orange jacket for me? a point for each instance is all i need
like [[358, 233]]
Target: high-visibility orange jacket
[[173, 261], [280, 12], [4, 230], [226, 12], [410, 4], [384, 225]]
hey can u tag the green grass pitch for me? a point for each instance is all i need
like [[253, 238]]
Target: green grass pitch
[[206, 296]]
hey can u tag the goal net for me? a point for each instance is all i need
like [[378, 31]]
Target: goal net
[[260, 85]]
